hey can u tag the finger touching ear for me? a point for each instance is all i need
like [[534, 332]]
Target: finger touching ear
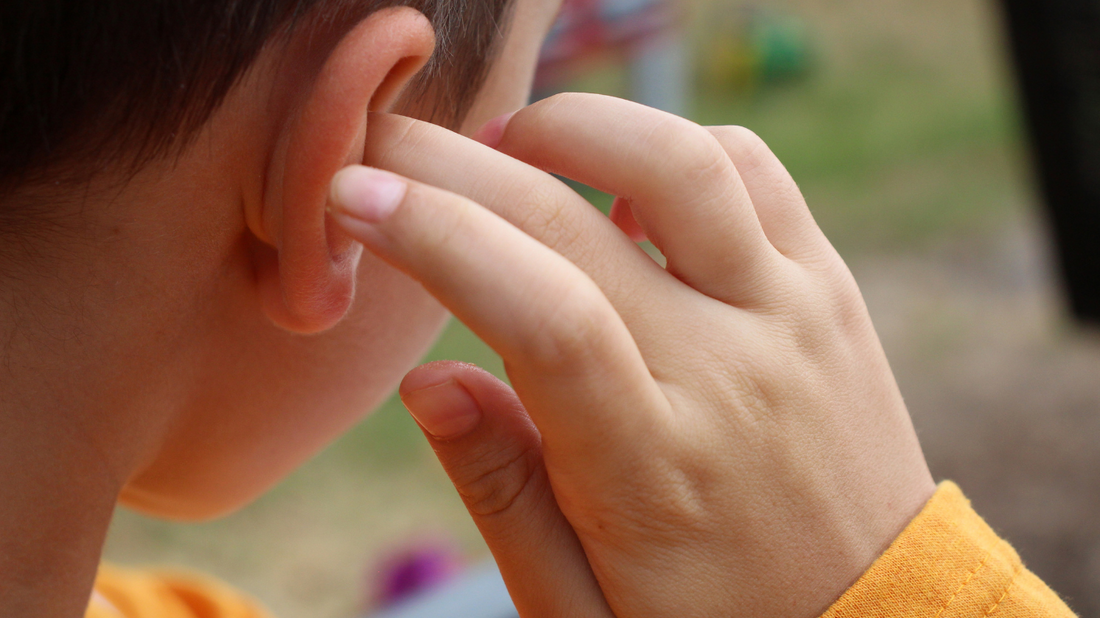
[[306, 264]]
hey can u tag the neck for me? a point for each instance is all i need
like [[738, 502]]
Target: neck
[[56, 500], [63, 456]]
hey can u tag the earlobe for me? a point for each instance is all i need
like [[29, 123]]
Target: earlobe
[[305, 263]]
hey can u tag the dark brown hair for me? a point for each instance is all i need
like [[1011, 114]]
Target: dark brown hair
[[84, 82]]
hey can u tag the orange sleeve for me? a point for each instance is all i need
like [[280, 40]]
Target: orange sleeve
[[126, 593], [948, 563]]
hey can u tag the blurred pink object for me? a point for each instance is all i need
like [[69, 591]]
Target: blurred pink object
[[413, 570]]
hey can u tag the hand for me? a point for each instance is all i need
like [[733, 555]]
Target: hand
[[722, 436]]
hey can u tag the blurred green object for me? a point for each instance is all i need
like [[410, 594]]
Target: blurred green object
[[744, 47]]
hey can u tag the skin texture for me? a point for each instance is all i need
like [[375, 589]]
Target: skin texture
[[181, 339], [724, 434], [679, 442]]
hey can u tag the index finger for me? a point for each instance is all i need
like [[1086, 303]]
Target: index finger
[[529, 198], [567, 351]]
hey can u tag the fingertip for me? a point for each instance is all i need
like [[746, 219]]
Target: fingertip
[[491, 133], [623, 217], [432, 373], [365, 193], [440, 405]]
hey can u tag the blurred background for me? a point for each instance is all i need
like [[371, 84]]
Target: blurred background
[[901, 123]]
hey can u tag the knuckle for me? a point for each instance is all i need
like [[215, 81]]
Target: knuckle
[[674, 502], [692, 152], [832, 282], [849, 309], [492, 484], [578, 321], [752, 157], [831, 311], [743, 145], [564, 100]]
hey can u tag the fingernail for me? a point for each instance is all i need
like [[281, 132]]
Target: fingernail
[[492, 132], [444, 410], [366, 193]]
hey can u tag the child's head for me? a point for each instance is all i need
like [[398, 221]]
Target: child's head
[[174, 301]]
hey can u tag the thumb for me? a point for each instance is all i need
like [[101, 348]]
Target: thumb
[[493, 454]]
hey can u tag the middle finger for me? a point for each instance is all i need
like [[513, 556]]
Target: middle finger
[[532, 200]]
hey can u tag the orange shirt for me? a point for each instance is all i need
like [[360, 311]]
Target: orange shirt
[[126, 593], [947, 563]]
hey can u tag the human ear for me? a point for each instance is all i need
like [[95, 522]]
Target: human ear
[[305, 263]]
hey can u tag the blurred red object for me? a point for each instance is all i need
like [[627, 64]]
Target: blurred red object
[[587, 29]]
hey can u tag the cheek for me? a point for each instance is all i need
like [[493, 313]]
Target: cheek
[[277, 398]]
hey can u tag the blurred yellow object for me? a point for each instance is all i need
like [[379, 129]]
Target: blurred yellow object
[[746, 46], [730, 63]]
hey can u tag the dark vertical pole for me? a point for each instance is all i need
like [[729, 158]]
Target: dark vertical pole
[[1056, 45]]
